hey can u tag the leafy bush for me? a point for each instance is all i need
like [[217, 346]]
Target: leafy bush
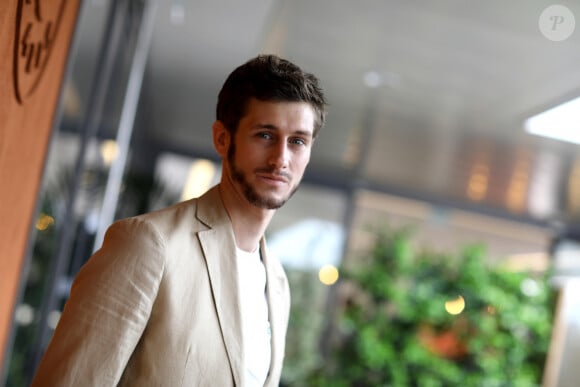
[[395, 330]]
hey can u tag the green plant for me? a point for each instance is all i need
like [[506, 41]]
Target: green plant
[[396, 326]]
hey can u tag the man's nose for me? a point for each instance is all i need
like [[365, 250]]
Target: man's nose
[[280, 155]]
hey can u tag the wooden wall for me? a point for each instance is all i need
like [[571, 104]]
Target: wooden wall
[[35, 38]]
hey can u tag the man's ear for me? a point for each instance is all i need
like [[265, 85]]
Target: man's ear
[[221, 138]]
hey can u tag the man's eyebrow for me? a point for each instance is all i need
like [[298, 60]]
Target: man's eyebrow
[[266, 126], [304, 133], [274, 127]]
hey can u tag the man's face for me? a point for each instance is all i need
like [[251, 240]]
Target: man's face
[[270, 150]]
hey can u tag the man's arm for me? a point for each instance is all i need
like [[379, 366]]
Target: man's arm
[[109, 306]]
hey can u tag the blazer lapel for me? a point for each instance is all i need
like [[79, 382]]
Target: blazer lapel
[[219, 250]]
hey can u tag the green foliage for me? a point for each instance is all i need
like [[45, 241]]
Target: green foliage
[[395, 329], [305, 325]]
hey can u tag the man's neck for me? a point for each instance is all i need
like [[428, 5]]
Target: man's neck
[[248, 221]]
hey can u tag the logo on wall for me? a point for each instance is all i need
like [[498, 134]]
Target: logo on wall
[[36, 30]]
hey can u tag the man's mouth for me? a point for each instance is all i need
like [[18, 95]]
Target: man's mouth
[[274, 177]]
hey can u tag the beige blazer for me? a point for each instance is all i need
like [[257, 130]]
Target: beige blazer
[[158, 305]]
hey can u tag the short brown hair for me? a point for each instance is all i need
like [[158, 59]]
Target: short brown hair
[[268, 78]]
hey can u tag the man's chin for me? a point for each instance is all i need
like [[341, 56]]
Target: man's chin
[[267, 203], [268, 198]]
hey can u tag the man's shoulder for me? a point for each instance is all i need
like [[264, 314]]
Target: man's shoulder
[[189, 215], [187, 208], [166, 220], [177, 209]]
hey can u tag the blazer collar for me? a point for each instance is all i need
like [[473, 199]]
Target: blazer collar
[[211, 210]]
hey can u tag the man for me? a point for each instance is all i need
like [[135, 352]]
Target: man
[[188, 295]]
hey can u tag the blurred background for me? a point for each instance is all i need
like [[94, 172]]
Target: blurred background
[[440, 238]]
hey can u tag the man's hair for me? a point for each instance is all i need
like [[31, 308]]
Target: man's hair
[[268, 78]]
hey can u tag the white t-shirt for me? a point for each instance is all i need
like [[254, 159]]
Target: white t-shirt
[[255, 322]]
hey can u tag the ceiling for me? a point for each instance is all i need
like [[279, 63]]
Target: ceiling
[[427, 99]]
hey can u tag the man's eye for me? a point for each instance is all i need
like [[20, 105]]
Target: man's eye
[[298, 141], [265, 135]]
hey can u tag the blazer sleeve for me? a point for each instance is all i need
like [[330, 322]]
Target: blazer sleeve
[[110, 303]]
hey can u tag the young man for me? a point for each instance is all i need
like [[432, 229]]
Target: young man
[[188, 295]]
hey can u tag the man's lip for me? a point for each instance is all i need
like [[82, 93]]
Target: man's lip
[[280, 178]]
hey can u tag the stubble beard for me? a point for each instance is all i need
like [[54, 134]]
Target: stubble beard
[[249, 192]]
